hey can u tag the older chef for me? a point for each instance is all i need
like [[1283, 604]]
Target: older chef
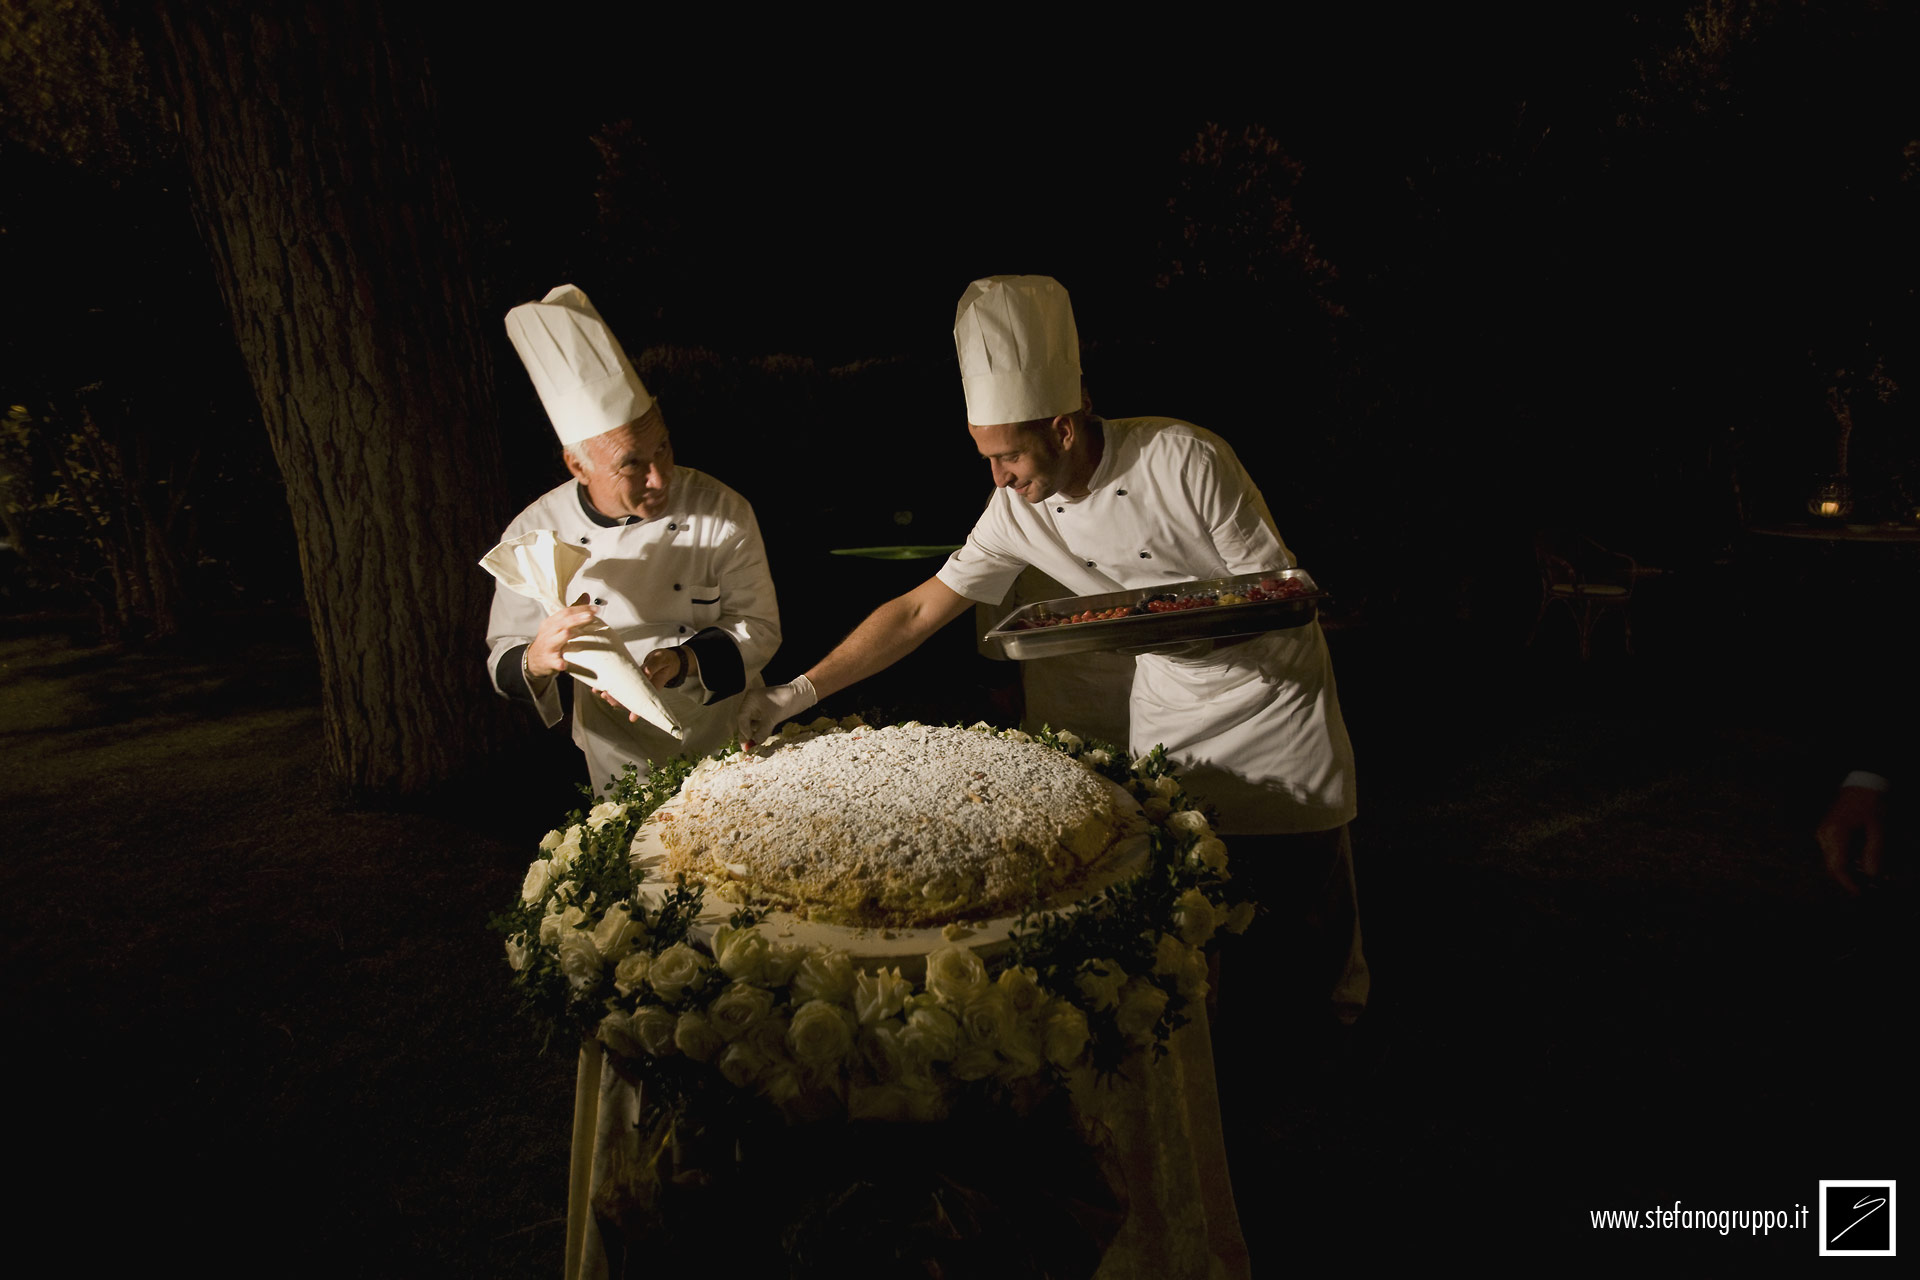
[[672, 568], [1110, 505]]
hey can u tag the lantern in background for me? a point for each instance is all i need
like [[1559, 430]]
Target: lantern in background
[[1833, 499]]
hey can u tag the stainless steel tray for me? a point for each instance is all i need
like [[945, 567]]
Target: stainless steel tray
[[1023, 635]]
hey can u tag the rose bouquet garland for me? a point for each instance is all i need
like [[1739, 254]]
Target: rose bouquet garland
[[806, 1030]]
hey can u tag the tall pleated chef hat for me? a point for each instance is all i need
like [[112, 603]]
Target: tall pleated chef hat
[[584, 379], [1019, 350]]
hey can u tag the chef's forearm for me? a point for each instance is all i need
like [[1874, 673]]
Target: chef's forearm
[[889, 634]]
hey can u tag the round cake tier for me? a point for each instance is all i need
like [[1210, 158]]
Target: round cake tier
[[888, 843]]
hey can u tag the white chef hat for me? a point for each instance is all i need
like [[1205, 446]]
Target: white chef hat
[[1019, 350], [584, 379]]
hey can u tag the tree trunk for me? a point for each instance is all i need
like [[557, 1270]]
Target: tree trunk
[[340, 248]]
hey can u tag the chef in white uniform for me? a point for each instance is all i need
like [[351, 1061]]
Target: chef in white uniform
[[1109, 505], [675, 564]]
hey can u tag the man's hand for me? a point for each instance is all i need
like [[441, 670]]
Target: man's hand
[[666, 668], [610, 700], [546, 654], [1858, 813], [762, 709]]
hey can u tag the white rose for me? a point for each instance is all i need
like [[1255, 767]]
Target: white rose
[[617, 933], [738, 1007], [1155, 808], [1189, 822], [825, 975], [781, 1084], [1099, 759], [988, 1018], [550, 927], [616, 1032], [975, 1062], [1184, 964], [549, 842], [653, 1027], [743, 1065], [517, 952], [1240, 917], [1016, 735], [932, 1034], [1069, 742], [881, 1052], [1209, 853], [579, 958], [879, 995], [821, 1034], [980, 726], [539, 877], [631, 972], [742, 953], [1166, 786], [676, 969], [1066, 1035], [694, 1036], [567, 850], [1019, 1055], [1100, 981], [781, 964], [769, 1036], [1195, 917], [955, 975], [1022, 988], [851, 722], [603, 813], [1140, 1008]]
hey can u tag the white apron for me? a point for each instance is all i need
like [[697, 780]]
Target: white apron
[[1256, 728]]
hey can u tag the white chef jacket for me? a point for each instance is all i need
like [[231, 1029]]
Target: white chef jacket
[[657, 583], [1255, 724]]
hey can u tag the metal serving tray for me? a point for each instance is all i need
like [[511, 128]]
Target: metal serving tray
[[1020, 636]]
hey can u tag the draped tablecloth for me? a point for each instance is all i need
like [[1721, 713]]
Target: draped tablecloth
[[1164, 1130]]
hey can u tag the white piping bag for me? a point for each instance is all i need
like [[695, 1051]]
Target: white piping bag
[[540, 566]]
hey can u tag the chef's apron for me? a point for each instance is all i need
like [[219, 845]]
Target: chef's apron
[[1256, 728]]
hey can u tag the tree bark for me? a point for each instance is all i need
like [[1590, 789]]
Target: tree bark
[[340, 248]]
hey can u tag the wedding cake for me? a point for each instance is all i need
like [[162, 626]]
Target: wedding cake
[[904, 826]]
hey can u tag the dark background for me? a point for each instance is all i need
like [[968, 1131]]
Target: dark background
[[1442, 282]]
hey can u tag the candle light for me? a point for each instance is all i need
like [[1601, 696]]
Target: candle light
[[1832, 498]]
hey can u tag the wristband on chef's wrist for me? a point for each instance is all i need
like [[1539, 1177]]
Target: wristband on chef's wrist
[[526, 672], [679, 653]]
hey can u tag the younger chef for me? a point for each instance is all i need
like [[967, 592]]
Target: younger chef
[[675, 565], [1117, 505]]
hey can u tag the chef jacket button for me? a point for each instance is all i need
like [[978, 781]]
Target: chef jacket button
[[1089, 564], [672, 525], [1120, 493], [676, 586], [598, 600], [683, 631], [1059, 508], [1145, 556], [583, 539]]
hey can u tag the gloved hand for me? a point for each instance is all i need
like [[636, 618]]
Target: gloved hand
[[762, 709]]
